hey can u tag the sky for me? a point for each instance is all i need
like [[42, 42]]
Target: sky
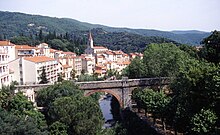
[[164, 15]]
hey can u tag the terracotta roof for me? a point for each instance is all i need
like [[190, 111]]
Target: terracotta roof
[[6, 43], [100, 66], [98, 71], [109, 53], [125, 54], [69, 53], [53, 50], [38, 59], [126, 62], [118, 52], [66, 66], [24, 47], [100, 56], [99, 47]]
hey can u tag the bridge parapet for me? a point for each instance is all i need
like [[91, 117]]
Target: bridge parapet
[[121, 89], [149, 81]]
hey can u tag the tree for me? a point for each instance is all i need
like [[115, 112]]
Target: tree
[[60, 77], [83, 72], [12, 124], [196, 87], [136, 69], [191, 50], [43, 77], [47, 95], [163, 60], [22, 40], [73, 74], [212, 47], [65, 103], [6, 93], [41, 36], [58, 128], [81, 114], [203, 123], [21, 107], [58, 44]]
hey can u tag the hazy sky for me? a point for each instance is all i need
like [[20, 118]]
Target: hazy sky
[[148, 14]]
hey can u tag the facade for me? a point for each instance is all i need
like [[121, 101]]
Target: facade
[[10, 48], [43, 50], [88, 65], [24, 51], [4, 69], [27, 70], [7, 54], [77, 65]]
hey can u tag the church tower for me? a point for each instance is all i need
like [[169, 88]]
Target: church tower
[[90, 41]]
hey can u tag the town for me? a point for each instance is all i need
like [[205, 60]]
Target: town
[[24, 63], [94, 67]]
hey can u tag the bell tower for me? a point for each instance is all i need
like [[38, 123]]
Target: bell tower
[[90, 41]]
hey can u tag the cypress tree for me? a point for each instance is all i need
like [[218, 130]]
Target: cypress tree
[[43, 77]]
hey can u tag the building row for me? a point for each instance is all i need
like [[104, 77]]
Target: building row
[[25, 64]]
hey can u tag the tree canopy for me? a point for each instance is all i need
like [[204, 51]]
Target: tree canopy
[[66, 107], [212, 47]]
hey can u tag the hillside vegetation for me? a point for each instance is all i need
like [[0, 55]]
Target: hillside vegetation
[[14, 24]]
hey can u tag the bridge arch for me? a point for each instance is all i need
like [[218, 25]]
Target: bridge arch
[[116, 95]]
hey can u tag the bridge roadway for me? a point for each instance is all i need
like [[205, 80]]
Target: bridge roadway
[[121, 89]]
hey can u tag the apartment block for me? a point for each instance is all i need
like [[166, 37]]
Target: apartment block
[[28, 70]]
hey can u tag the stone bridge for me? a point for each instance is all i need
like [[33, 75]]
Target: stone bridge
[[121, 89]]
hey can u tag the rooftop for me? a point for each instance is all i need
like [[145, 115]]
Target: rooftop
[[99, 47], [6, 43], [38, 59], [24, 47]]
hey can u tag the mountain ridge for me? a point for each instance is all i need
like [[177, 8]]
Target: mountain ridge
[[11, 25]]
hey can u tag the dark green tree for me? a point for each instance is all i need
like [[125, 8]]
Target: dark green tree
[[43, 77], [73, 74], [81, 114], [212, 47], [14, 125], [137, 69], [58, 128], [203, 123], [47, 95], [60, 77], [195, 88], [41, 36], [163, 60]]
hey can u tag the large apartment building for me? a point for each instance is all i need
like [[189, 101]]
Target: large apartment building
[[6, 54], [28, 70]]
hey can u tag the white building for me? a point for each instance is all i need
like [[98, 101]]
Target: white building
[[7, 53], [27, 70], [10, 48], [4, 69], [24, 51], [43, 50], [77, 65]]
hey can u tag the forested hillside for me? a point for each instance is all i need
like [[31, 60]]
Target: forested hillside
[[127, 42], [14, 24]]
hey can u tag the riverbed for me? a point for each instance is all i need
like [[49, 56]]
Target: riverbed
[[105, 106]]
